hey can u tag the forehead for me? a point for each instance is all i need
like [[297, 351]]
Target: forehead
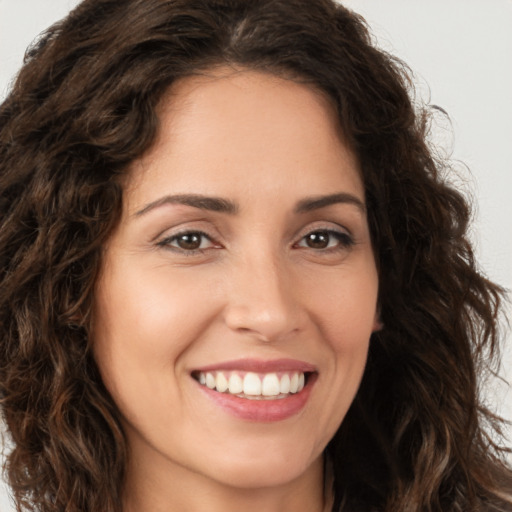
[[229, 127]]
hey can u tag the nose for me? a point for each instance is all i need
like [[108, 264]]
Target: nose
[[262, 300]]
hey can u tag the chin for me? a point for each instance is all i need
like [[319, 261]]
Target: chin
[[260, 475], [263, 468]]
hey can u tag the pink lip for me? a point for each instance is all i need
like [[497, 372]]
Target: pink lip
[[260, 366], [261, 410]]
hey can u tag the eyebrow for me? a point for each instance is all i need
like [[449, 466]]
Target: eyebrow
[[221, 205], [316, 202], [214, 204]]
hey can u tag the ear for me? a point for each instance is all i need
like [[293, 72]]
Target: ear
[[377, 322]]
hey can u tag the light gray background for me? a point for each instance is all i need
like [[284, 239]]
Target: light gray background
[[461, 51]]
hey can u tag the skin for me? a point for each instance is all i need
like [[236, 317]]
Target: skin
[[256, 288]]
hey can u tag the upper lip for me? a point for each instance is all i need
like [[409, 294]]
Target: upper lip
[[260, 366]]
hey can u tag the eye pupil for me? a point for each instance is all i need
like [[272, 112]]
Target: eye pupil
[[318, 240], [189, 241]]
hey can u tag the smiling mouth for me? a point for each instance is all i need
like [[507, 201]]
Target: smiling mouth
[[252, 385]]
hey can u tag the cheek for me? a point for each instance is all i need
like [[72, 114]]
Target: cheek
[[345, 306], [148, 311], [143, 324], [346, 313]]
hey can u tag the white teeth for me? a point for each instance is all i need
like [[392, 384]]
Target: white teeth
[[284, 385], [236, 386], [302, 381], [221, 382], [253, 385], [270, 385], [294, 383], [210, 381]]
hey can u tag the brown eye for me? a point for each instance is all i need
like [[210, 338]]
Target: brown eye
[[188, 242], [326, 239], [318, 240]]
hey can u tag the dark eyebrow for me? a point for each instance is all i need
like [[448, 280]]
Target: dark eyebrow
[[317, 202], [214, 204]]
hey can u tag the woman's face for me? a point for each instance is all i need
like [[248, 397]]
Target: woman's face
[[242, 266]]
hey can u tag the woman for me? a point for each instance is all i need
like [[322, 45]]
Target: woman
[[232, 274]]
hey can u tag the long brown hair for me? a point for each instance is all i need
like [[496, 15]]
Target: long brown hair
[[84, 106]]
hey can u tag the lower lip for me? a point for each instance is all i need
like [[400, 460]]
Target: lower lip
[[262, 410]]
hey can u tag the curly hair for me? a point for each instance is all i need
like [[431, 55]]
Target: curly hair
[[417, 437]]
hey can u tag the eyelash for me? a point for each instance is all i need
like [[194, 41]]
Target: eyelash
[[166, 242], [345, 241]]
